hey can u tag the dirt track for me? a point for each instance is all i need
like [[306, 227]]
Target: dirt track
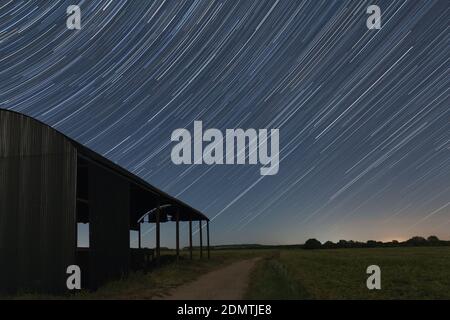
[[226, 283]]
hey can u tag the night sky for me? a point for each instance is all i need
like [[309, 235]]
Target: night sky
[[363, 114]]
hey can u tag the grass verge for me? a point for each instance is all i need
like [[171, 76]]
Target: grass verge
[[158, 281]]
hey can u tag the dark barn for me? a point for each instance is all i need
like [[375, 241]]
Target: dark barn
[[50, 183]]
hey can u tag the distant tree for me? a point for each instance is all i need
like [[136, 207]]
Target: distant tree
[[360, 244], [371, 243], [312, 244], [329, 245], [393, 243], [342, 244], [416, 241], [433, 239]]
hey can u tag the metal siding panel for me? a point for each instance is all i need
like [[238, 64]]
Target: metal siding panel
[[37, 205], [109, 226], [9, 200]]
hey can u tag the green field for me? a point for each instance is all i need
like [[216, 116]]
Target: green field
[[406, 273]]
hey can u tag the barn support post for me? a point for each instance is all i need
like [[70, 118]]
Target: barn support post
[[139, 235], [201, 237], [158, 234], [190, 236], [207, 236], [178, 234]]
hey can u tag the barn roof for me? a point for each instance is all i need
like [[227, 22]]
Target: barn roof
[[143, 195]]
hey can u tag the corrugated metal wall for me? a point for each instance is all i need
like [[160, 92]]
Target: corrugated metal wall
[[37, 205], [109, 207]]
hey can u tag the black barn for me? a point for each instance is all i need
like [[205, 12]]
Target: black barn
[[48, 184]]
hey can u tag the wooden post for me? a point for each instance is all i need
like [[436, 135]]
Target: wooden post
[[178, 234], [139, 236], [158, 238], [190, 236], [201, 238], [207, 236]]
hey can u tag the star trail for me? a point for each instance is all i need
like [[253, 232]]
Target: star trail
[[363, 114]]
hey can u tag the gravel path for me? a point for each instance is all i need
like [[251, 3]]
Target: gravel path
[[228, 283]]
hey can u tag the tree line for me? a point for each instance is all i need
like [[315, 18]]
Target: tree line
[[416, 241]]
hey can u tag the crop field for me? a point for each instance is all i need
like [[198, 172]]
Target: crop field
[[406, 273]]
